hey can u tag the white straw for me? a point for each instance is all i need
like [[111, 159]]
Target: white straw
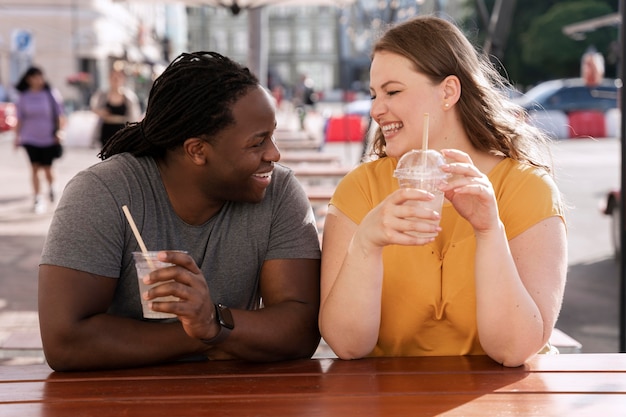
[[133, 226], [425, 133], [424, 140]]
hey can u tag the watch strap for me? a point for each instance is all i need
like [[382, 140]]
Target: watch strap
[[225, 328]]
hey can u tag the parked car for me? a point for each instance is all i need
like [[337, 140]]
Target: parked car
[[8, 116], [611, 207], [570, 94], [568, 108]]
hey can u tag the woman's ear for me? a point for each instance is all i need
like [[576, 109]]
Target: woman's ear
[[451, 89], [196, 150]]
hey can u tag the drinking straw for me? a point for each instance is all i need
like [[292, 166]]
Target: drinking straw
[[425, 134], [133, 226], [424, 141]]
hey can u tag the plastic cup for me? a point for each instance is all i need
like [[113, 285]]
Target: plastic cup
[[144, 264], [421, 169]]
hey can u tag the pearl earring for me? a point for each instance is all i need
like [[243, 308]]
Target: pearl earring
[[446, 105]]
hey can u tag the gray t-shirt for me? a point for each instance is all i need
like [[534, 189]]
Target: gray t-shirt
[[90, 233]]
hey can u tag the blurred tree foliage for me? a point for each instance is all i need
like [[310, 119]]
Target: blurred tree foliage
[[538, 50]]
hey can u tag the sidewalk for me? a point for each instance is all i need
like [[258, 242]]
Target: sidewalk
[[22, 234]]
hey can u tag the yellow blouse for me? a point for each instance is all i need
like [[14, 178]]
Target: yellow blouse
[[428, 295]]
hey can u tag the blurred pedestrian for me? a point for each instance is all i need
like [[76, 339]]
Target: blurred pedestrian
[[40, 120], [303, 97], [592, 67], [116, 106]]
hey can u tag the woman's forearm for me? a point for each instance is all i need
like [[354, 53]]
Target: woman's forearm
[[350, 314], [510, 324]]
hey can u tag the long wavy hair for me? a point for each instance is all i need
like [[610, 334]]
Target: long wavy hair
[[437, 49], [193, 97]]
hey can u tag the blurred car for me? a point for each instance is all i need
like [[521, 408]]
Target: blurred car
[[8, 116], [611, 207], [360, 107], [568, 108], [570, 94]]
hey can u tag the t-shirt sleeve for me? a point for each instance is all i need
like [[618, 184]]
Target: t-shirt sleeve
[[530, 196], [85, 233], [354, 196], [293, 231]]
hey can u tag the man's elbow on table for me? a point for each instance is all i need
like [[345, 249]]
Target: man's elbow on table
[[59, 355]]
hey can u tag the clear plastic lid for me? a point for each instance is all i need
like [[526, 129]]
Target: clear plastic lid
[[420, 163]]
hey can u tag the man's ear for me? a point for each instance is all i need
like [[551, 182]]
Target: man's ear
[[196, 150], [451, 89]]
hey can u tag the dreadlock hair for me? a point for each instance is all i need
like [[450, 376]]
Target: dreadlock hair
[[193, 97]]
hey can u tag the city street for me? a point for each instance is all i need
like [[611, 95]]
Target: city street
[[586, 170]]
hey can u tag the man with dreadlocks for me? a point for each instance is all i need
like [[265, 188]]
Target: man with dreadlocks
[[198, 174]]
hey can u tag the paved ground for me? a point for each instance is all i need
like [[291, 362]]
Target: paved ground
[[589, 312], [22, 233]]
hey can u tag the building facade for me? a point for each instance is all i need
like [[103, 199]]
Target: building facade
[[75, 41], [330, 45]]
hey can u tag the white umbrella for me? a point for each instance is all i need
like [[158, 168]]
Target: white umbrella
[[237, 5], [257, 46]]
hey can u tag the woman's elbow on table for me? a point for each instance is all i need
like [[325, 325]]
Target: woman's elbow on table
[[511, 359], [347, 350]]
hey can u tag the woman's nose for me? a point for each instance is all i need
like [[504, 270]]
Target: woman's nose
[[376, 109]]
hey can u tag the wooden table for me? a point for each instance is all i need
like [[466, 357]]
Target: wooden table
[[320, 172], [291, 135], [295, 145], [549, 385], [308, 157], [319, 194]]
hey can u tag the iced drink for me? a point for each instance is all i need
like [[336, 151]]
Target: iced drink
[[146, 263], [421, 169]]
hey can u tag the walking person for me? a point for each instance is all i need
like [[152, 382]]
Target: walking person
[[116, 106], [40, 120]]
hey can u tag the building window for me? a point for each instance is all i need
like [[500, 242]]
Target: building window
[[220, 41], [303, 40], [325, 41], [283, 71], [322, 74], [281, 41], [240, 42]]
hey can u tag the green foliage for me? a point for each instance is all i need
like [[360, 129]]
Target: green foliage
[[551, 53], [536, 48]]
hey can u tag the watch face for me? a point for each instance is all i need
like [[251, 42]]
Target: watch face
[[225, 317]]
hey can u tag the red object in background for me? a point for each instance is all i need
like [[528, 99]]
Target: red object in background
[[348, 128], [587, 123], [8, 116]]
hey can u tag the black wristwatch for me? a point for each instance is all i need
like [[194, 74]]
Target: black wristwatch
[[225, 320]]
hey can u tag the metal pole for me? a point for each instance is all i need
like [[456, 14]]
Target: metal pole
[[622, 292], [257, 43]]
